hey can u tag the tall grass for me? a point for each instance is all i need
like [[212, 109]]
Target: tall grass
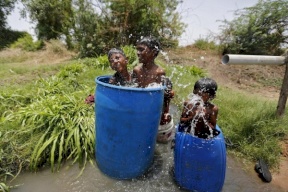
[[251, 124]]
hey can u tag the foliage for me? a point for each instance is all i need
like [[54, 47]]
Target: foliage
[[12, 101], [66, 126], [205, 44], [131, 54], [53, 18], [8, 36], [195, 71], [260, 29], [26, 43], [129, 20], [93, 27], [250, 123], [88, 32], [6, 7], [56, 119]]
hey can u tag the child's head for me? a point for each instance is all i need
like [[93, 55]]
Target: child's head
[[117, 59], [206, 86], [152, 43]]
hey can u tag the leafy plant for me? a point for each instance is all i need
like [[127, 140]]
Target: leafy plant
[[65, 128], [26, 43], [260, 29], [196, 71], [131, 54], [205, 44]]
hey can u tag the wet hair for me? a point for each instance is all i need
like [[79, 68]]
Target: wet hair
[[206, 85], [150, 42], [115, 50]]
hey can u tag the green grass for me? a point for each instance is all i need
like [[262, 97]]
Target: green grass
[[44, 120], [250, 122]]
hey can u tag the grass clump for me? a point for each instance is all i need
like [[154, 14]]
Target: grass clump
[[26, 43], [252, 125], [205, 44]]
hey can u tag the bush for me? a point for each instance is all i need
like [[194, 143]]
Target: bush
[[26, 43], [7, 37], [131, 54], [205, 44]]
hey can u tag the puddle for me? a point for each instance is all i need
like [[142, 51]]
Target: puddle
[[158, 179]]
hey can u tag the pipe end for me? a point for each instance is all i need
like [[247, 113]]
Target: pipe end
[[225, 59]]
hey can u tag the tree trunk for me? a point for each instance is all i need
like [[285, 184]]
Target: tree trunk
[[283, 94]]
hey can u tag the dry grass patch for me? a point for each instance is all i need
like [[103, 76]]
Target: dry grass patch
[[53, 52]]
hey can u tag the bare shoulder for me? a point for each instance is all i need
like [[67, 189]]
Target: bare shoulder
[[137, 70], [160, 70], [137, 67], [214, 108]]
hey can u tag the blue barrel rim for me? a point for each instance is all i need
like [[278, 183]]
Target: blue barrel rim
[[99, 78]]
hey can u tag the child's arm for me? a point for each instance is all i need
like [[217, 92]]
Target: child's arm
[[213, 117], [188, 113]]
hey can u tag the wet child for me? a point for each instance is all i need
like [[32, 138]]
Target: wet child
[[199, 115], [148, 73], [118, 62]]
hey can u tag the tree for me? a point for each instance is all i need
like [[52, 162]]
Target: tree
[[7, 36], [260, 29], [130, 19], [94, 26], [6, 6], [87, 32], [114, 23], [53, 18]]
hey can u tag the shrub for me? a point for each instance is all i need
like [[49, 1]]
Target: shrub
[[205, 44], [26, 43], [131, 54], [7, 37]]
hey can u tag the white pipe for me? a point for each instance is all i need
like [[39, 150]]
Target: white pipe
[[234, 59]]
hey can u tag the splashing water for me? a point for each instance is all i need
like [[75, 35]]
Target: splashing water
[[165, 55], [198, 103]]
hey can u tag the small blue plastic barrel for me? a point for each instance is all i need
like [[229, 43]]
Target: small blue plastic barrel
[[127, 121], [200, 164]]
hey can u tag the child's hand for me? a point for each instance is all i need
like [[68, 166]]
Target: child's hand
[[169, 94], [90, 99]]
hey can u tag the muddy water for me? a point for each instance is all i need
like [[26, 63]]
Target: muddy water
[[157, 179]]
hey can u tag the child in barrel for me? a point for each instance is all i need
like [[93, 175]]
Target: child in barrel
[[199, 115], [118, 62], [147, 73]]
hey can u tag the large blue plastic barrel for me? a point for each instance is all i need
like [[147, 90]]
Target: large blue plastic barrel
[[200, 164], [127, 121]]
